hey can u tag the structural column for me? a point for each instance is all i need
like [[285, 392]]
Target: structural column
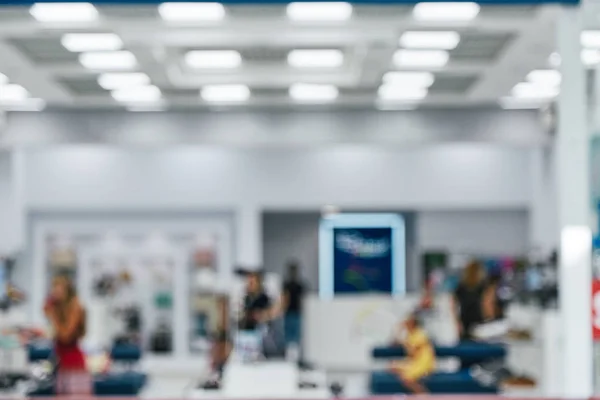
[[574, 201], [249, 243]]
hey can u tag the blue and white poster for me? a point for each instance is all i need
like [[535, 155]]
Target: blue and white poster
[[362, 260], [362, 253]]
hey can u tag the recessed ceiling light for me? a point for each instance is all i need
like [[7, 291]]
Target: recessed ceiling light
[[112, 81], [545, 77], [307, 92], [225, 93], [446, 12], [80, 42], [13, 93], [108, 61], [399, 93], [186, 12], [531, 91], [590, 39], [213, 59], [446, 40], [510, 103], [590, 57], [421, 58], [319, 12], [315, 58], [142, 94], [64, 12], [3, 79], [409, 79]]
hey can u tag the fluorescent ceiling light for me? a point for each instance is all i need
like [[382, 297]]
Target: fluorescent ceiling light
[[213, 59], [109, 61], [319, 12], [225, 93], [313, 92], [80, 42], [315, 58], [142, 94], [590, 57], [510, 103], [3, 79], [421, 58], [445, 12], [531, 91], [186, 12], [447, 40], [64, 12], [409, 79], [112, 81], [590, 39], [13, 93], [399, 93], [544, 77]]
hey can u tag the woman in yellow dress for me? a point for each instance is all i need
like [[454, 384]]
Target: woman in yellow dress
[[420, 360]]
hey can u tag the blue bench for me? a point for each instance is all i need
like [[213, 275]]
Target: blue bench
[[119, 353], [385, 383], [112, 384], [469, 353]]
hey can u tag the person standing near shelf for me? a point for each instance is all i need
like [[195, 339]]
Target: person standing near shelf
[[67, 318], [467, 301], [294, 290]]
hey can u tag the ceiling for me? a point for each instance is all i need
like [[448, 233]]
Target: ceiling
[[496, 50]]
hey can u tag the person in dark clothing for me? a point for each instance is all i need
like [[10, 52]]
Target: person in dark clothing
[[293, 295], [468, 300], [257, 307], [493, 303]]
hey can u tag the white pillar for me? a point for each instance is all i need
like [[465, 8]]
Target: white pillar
[[11, 202], [573, 189], [249, 243]]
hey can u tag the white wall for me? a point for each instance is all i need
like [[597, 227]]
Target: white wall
[[11, 221], [492, 232], [439, 177]]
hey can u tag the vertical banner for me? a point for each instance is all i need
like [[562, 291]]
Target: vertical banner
[[362, 260], [596, 309]]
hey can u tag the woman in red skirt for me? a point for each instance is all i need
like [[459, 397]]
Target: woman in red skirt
[[67, 317]]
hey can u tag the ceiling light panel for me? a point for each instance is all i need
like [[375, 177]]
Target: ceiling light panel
[[213, 59], [409, 79], [192, 12], [445, 12], [82, 42], [225, 93], [315, 58], [142, 94], [400, 93], [13, 93], [441, 40], [421, 58], [319, 12], [112, 81], [590, 57], [108, 61], [64, 12], [590, 39], [544, 77], [528, 90], [305, 92]]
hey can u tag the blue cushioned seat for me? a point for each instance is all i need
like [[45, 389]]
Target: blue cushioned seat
[[112, 384], [469, 352], [126, 352], [39, 353], [384, 383]]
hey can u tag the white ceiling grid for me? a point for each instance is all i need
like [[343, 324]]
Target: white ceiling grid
[[245, 58]]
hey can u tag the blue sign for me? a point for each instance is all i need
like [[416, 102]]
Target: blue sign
[[362, 260]]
